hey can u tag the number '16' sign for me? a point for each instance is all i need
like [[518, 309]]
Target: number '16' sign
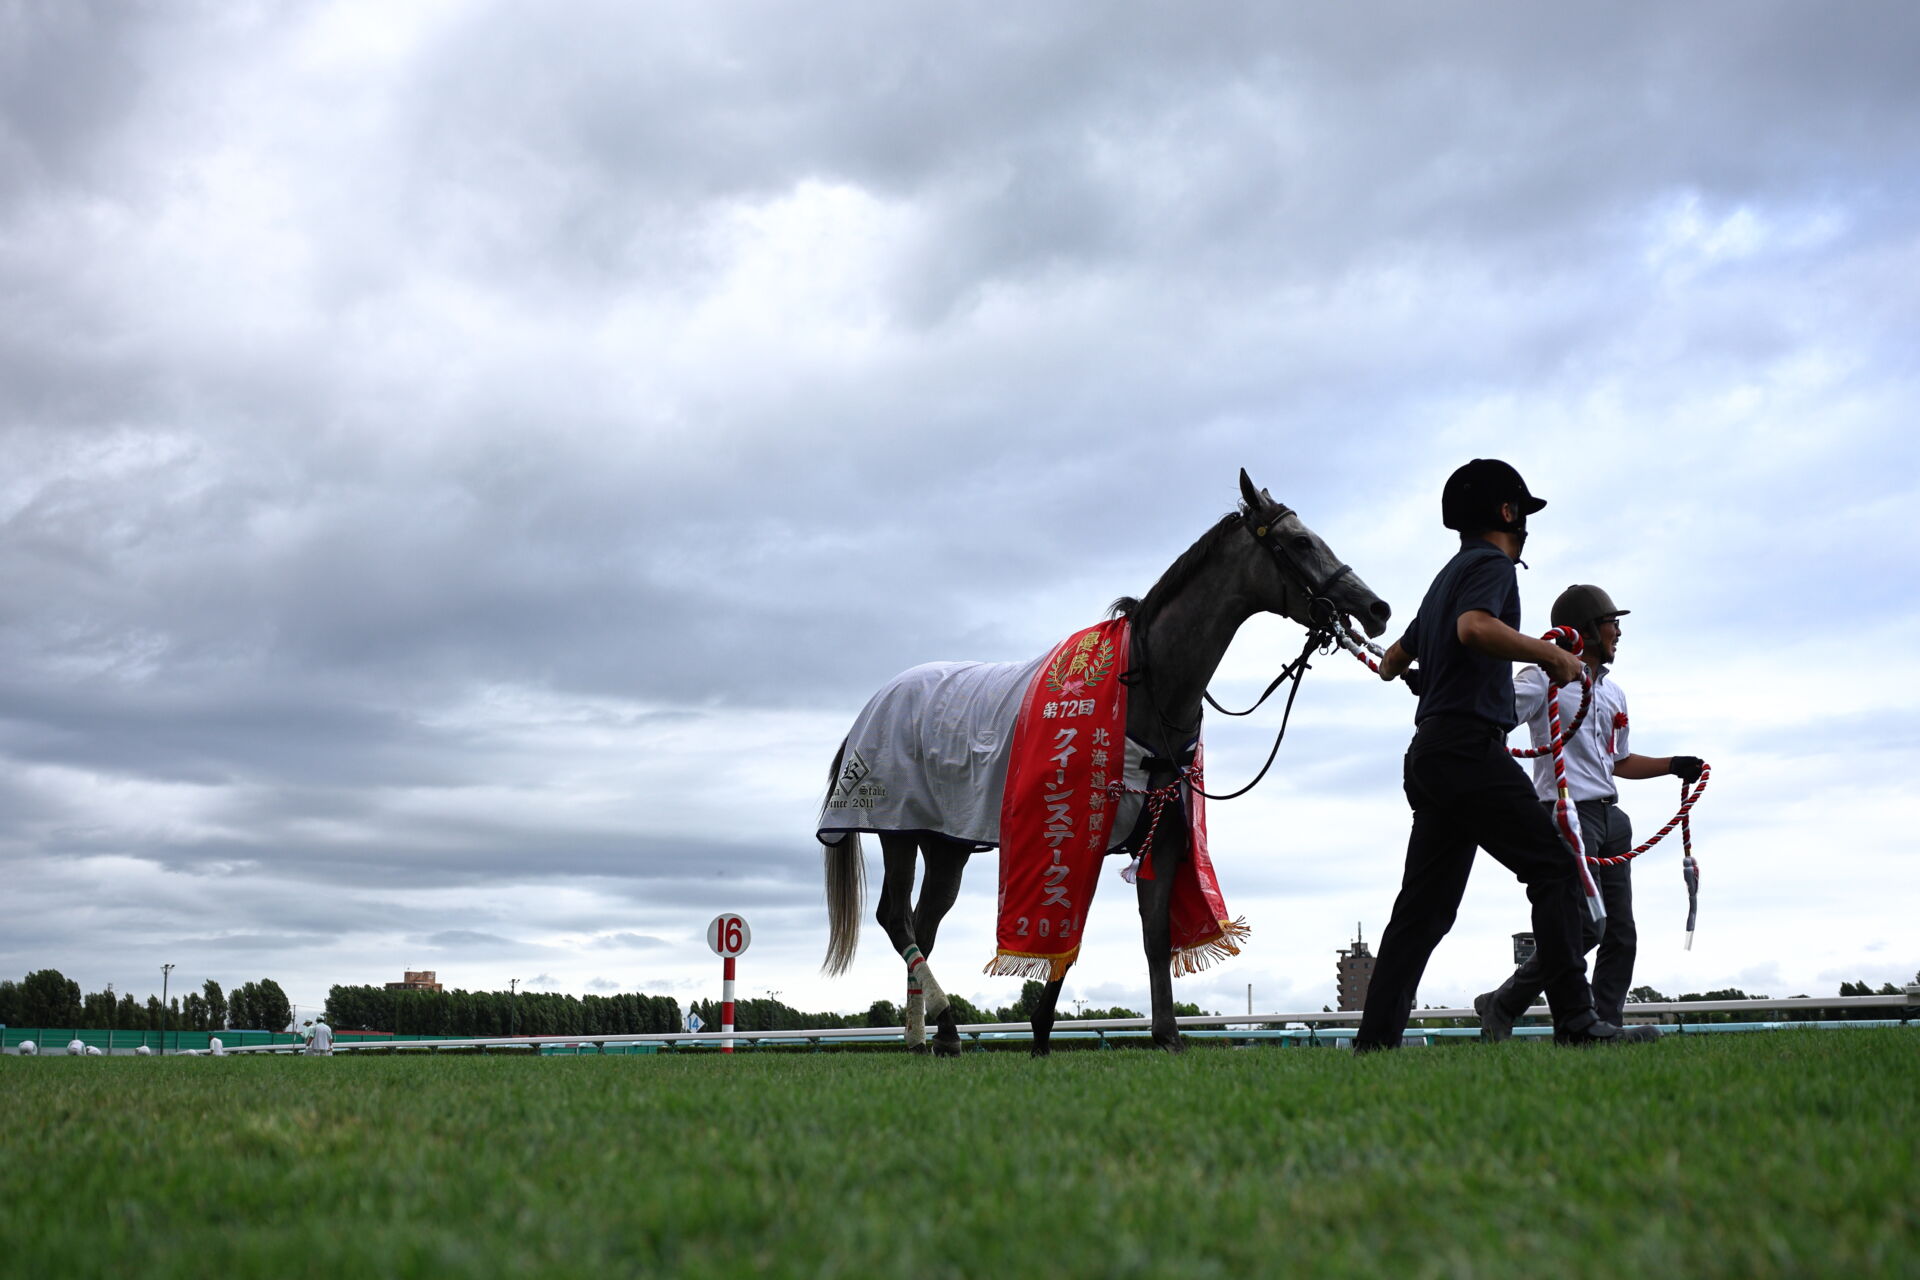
[[728, 935]]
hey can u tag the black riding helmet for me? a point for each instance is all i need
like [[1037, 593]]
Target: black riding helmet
[[1584, 607], [1470, 503]]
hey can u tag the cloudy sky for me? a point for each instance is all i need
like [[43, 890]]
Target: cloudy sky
[[466, 465]]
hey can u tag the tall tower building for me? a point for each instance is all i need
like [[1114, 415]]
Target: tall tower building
[[1356, 972]]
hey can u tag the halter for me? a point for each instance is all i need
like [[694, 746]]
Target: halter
[[1320, 607], [1324, 625]]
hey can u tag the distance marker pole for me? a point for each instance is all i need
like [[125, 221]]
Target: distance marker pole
[[728, 935]]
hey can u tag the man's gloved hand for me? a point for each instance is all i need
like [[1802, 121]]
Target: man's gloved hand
[[1416, 680], [1686, 768]]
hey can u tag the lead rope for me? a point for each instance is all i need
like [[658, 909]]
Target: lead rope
[[1367, 652], [1190, 775], [1156, 802], [1689, 868], [1565, 816]]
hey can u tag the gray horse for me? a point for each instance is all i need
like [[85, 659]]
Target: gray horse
[[1260, 558]]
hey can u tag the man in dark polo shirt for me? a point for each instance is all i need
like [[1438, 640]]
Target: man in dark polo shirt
[[1466, 791]]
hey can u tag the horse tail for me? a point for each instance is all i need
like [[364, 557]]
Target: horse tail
[[846, 889]]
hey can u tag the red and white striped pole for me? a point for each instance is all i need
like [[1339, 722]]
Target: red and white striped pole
[[728, 935]]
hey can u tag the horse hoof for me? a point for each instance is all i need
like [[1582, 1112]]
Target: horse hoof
[[946, 1048], [1175, 1045], [917, 1048], [1041, 1051]]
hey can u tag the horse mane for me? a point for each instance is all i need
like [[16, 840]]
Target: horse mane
[[1179, 573]]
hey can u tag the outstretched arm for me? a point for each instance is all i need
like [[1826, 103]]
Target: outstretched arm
[[1634, 768]]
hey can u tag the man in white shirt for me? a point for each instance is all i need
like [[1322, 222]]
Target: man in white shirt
[[1594, 756], [320, 1038]]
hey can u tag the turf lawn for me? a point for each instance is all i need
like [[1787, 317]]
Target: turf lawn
[[1773, 1154]]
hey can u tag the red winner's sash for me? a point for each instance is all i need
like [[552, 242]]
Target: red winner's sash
[[1056, 815]]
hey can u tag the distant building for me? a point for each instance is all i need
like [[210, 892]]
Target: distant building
[[416, 980], [1356, 972]]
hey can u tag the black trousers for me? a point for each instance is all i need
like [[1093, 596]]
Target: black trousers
[[1467, 793], [1607, 833]]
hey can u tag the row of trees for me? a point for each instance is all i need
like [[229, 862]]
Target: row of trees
[[1648, 995], [498, 1013], [48, 998]]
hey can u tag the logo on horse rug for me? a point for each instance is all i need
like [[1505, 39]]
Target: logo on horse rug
[[854, 788]]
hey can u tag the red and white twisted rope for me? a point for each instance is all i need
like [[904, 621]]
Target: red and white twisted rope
[[1689, 868], [1688, 795], [1369, 653], [1571, 642], [1366, 650], [1156, 799], [1565, 816]]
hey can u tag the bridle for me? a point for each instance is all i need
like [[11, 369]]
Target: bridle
[[1324, 624], [1320, 607]]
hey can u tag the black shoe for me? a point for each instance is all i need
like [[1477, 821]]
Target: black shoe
[[1494, 1025], [1598, 1033]]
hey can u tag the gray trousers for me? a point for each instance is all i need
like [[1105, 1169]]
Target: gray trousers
[[1607, 832]]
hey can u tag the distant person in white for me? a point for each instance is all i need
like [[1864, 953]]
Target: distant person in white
[[319, 1038], [28, 1048], [77, 1047]]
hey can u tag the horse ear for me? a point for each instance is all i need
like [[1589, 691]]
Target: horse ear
[[1249, 493]]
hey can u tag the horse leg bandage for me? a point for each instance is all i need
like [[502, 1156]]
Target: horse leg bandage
[[915, 1016], [920, 975]]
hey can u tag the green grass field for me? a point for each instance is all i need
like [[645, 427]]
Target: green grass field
[[1775, 1154]]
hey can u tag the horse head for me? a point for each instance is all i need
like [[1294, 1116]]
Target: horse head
[[1303, 579]]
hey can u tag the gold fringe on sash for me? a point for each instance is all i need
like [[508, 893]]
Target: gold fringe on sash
[[1017, 964], [1206, 953]]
